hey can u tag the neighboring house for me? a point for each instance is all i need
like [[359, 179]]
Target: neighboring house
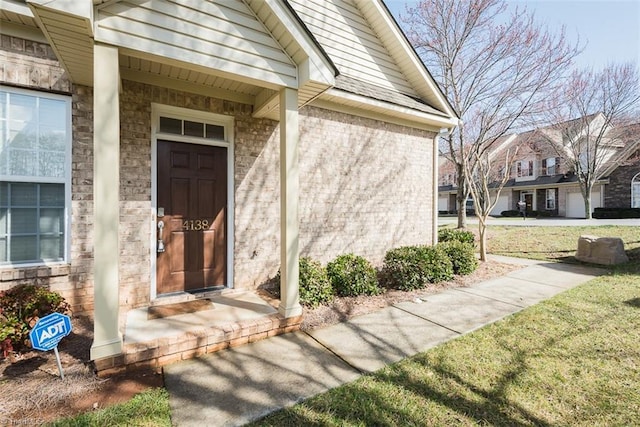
[[540, 177], [154, 150], [622, 188]]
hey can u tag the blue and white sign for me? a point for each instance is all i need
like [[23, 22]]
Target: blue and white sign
[[48, 331]]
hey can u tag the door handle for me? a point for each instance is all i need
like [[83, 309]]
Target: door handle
[[160, 247]]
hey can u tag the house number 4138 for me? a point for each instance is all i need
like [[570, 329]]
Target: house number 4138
[[195, 224]]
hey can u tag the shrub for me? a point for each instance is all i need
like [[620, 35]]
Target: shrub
[[353, 275], [20, 309], [412, 267], [462, 256], [452, 234], [315, 287], [510, 213]]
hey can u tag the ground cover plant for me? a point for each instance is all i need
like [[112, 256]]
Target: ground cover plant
[[572, 360]]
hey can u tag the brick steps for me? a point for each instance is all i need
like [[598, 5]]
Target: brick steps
[[158, 352]]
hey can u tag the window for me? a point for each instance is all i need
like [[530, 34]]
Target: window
[[35, 149], [190, 128], [551, 198], [635, 191], [524, 168], [549, 166]]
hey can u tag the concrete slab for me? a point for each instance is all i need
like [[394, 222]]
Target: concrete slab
[[372, 341], [227, 309], [522, 293], [236, 386], [460, 311], [564, 276]]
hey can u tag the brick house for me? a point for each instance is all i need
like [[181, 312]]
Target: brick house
[[155, 155], [543, 179], [622, 188]]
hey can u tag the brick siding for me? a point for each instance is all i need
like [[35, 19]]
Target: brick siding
[[618, 190]]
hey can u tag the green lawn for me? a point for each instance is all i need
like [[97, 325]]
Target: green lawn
[[554, 243], [572, 360]]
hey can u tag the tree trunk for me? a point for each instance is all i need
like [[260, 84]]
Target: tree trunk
[[461, 197], [482, 232], [587, 204]]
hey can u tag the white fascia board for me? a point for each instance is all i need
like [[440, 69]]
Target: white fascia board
[[317, 67], [19, 8], [402, 44], [385, 110]]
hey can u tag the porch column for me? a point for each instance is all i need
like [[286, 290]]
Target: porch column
[[289, 178], [107, 340]]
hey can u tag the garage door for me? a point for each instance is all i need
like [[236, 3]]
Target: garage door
[[502, 205], [442, 203], [575, 204]]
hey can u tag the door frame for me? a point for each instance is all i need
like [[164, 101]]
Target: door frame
[[202, 116]]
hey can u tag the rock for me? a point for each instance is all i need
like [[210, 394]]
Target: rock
[[601, 250]]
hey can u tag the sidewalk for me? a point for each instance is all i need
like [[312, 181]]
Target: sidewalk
[[242, 384]]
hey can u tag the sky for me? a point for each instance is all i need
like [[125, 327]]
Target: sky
[[610, 29]]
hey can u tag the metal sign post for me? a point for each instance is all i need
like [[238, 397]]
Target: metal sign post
[[48, 332]]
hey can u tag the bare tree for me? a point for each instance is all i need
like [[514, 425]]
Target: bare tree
[[491, 173], [604, 103], [496, 69]]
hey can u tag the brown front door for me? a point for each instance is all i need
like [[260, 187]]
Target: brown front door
[[192, 191]]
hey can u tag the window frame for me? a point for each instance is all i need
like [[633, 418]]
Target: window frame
[[635, 195], [546, 168], [65, 180], [529, 169], [548, 199]]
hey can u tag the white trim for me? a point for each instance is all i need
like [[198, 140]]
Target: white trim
[[635, 178], [205, 117]]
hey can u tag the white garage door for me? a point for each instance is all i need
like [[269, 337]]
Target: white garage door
[[575, 204], [502, 205], [442, 203]]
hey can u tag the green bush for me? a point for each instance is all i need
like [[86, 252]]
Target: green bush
[[20, 309], [454, 234], [462, 256], [510, 213], [353, 275], [315, 287], [412, 267]]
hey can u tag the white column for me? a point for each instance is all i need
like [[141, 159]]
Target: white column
[[107, 340], [289, 182], [435, 176]]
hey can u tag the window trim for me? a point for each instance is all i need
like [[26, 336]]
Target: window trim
[[635, 182], [548, 199], [519, 168], [66, 180]]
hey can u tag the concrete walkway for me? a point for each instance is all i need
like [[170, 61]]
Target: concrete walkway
[[242, 384]]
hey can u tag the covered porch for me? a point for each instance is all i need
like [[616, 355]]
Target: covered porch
[[254, 53]]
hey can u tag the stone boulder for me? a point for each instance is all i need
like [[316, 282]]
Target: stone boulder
[[601, 250]]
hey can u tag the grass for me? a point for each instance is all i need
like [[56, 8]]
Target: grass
[[555, 243], [149, 408], [572, 360]]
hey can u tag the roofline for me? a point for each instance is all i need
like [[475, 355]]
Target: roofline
[[417, 60]]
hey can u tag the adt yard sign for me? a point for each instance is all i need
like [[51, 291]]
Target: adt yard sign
[[49, 330], [47, 333]]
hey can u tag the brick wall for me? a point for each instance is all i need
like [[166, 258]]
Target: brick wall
[[32, 65], [618, 191]]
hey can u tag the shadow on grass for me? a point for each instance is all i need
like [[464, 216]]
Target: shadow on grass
[[635, 302]]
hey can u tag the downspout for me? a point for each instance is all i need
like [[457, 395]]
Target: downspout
[[434, 225]]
